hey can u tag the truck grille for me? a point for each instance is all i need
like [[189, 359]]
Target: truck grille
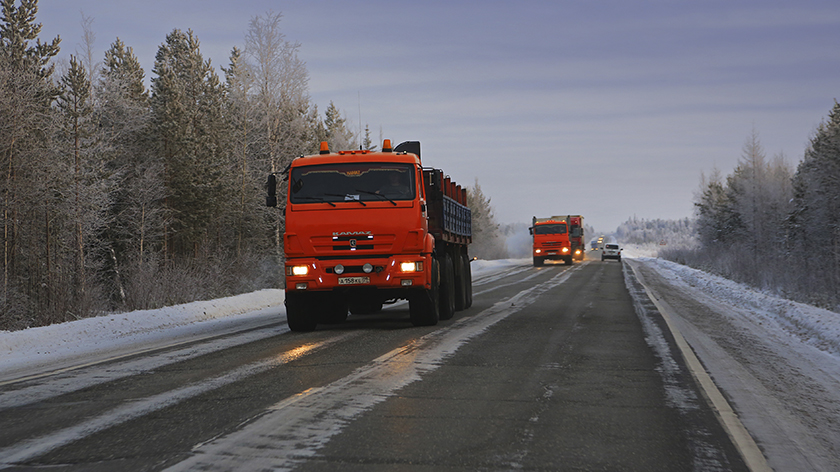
[[331, 244]]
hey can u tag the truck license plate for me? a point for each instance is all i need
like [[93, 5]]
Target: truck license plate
[[353, 280], [552, 253]]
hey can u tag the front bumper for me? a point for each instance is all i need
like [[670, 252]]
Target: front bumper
[[385, 273]]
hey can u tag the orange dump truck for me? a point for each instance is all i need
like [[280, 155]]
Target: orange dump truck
[[368, 228], [576, 237], [557, 238]]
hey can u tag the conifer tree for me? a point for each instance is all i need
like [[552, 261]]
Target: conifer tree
[[815, 222], [338, 136], [26, 94], [187, 105], [487, 239]]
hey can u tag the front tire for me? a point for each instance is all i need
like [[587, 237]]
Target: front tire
[[300, 314], [423, 306]]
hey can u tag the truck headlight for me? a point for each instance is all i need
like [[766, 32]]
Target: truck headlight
[[565, 249], [338, 269], [538, 251], [299, 270], [411, 266]]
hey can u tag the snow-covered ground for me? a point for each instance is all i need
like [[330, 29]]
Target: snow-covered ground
[[788, 353], [61, 345]]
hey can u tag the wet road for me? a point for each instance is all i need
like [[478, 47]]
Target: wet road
[[552, 368]]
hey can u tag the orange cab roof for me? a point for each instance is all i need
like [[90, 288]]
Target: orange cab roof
[[356, 156]]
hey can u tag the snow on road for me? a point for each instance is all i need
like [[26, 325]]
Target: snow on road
[[778, 361]]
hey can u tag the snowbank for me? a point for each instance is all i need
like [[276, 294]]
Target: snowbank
[[111, 334], [814, 326]]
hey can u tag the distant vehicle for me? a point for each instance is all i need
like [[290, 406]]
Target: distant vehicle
[[611, 251], [576, 237], [551, 239]]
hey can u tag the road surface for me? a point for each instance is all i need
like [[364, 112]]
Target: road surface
[[552, 368]]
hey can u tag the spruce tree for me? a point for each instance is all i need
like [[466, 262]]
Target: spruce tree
[[187, 105], [815, 221]]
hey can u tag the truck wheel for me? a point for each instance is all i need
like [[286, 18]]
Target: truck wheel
[[460, 283], [447, 289], [299, 313], [467, 281], [333, 310], [538, 261], [423, 305], [569, 260]]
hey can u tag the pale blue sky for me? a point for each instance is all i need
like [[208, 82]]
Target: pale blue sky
[[604, 108]]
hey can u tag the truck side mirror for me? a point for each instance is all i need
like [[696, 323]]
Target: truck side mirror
[[271, 190]]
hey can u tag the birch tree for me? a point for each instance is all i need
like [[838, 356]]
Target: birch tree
[[283, 116]]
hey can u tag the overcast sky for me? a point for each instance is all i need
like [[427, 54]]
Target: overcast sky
[[608, 109]]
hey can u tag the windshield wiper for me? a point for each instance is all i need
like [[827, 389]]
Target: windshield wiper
[[319, 199], [345, 198], [378, 195]]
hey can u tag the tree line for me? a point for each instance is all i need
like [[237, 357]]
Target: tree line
[[119, 197], [771, 226]]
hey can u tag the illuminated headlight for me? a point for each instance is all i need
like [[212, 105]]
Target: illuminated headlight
[[565, 249], [411, 266], [299, 270], [339, 269], [538, 251], [577, 252], [367, 268]]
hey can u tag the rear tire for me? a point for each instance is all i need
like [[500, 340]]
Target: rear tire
[[423, 306], [467, 281], [447, 289], [460, 283], [300, 314]]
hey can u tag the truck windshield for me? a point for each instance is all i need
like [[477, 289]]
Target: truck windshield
[[550, 229], [347, 182]]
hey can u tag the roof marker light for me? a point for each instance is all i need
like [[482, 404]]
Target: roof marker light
[[386, 146], [325, 147]]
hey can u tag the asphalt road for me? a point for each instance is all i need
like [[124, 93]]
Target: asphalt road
[[552, 368]]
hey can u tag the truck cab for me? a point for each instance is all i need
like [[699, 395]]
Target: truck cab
[[551, 240]]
